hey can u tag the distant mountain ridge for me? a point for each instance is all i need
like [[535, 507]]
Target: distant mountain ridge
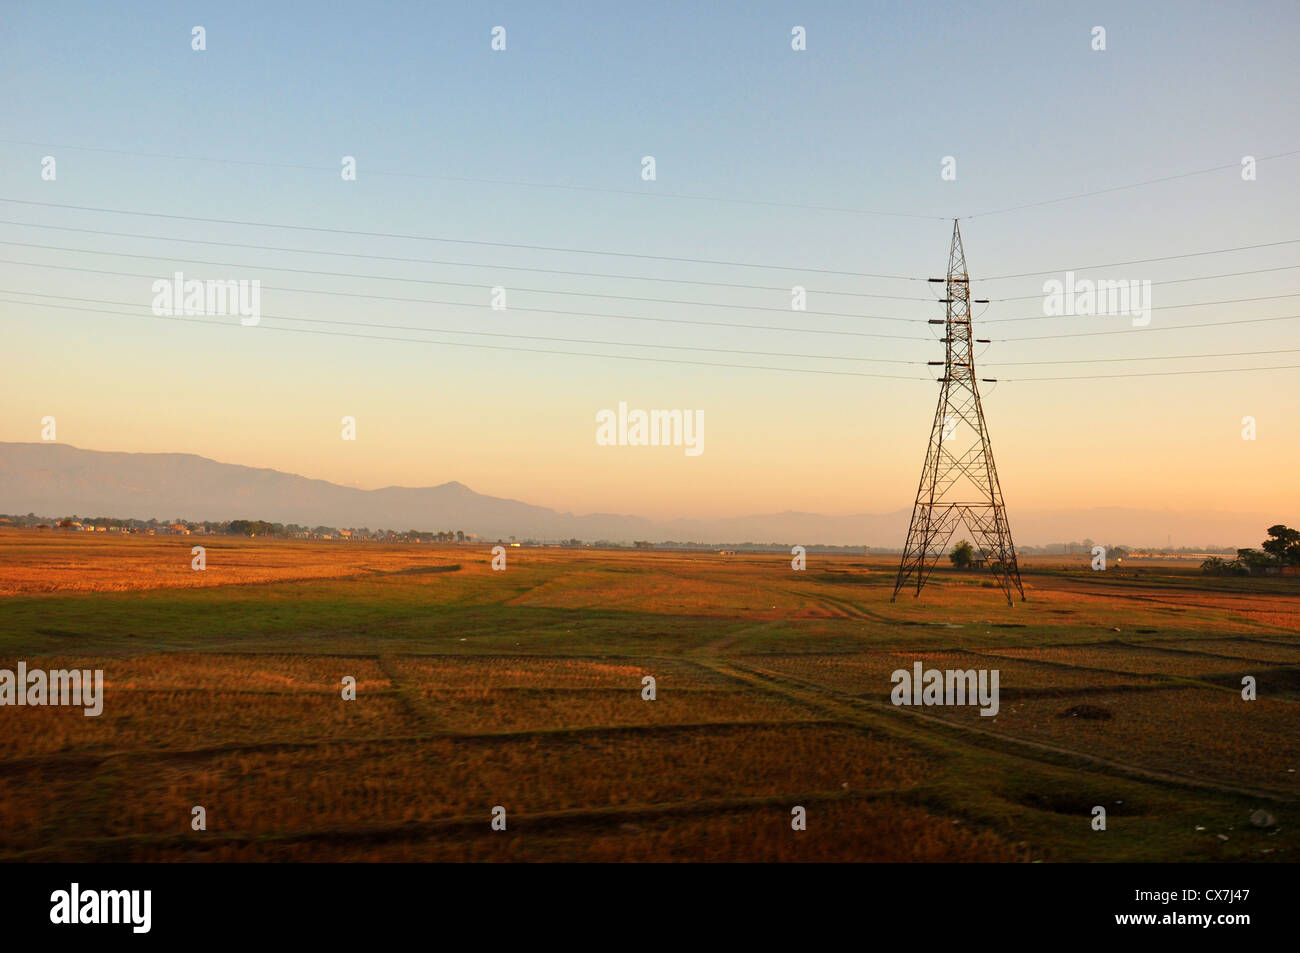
[[57, 479]]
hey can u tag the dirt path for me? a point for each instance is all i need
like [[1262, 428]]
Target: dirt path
[[817, 695]]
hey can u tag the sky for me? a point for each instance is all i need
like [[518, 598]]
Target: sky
[[821, 168]]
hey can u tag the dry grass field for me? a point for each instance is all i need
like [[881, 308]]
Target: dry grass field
[[523, 689], [74, 562]]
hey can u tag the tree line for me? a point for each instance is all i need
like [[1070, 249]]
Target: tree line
[[1282, 548]]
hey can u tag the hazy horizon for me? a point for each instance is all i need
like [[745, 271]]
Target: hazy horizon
[[188, 494]]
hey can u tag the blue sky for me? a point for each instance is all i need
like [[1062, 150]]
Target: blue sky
[[861, 120]]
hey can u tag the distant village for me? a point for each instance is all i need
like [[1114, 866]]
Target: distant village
[[261, 528], [250, 528]]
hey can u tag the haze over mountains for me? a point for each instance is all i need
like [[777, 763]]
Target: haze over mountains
[[54, 480]]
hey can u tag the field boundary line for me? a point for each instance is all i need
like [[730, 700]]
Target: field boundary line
[[984, 653], [991, 654], [91, 758], [425, 716], [408, 830], [839, 706], [278, 693], [1121, 767], [1228, 658]]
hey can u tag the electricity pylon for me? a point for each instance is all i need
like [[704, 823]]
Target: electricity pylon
[[959, 483]]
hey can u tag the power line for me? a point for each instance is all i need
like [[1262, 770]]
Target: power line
[[494, 334], [463, 304], [462, 264], [625, 357], [556, 271], [661, 320], [600, 343], [1149, 330], [650, 278], [451, 284], [455, 241], [1144, 261], [656, 194], [1133, 185], [1215, 370], [1163, 307], [501, 347], [1158, 357], [1171, 281], [616, 297], [650, 194]]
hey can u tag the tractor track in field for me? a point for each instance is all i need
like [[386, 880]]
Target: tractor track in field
[[121, 847], [1166, 596], [91, 759], [1197, 680], [813, 692]]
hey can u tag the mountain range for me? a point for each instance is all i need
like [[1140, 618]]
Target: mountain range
[[54, 480]]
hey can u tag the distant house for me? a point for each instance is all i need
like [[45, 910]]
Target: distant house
[[726, 552]]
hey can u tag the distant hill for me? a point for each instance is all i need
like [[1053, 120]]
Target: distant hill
[[57, 480]]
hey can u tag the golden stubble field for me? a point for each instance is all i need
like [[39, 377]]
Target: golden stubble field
[[525, 689], [60, 561]]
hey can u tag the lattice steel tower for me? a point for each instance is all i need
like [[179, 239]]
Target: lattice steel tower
[[959, 483]]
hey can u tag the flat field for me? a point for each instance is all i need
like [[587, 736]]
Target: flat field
[[523, 690]]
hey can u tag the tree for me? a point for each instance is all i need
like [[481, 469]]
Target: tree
[[1216, 566], [1283, 544], [1254, 560], [962, 554]]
